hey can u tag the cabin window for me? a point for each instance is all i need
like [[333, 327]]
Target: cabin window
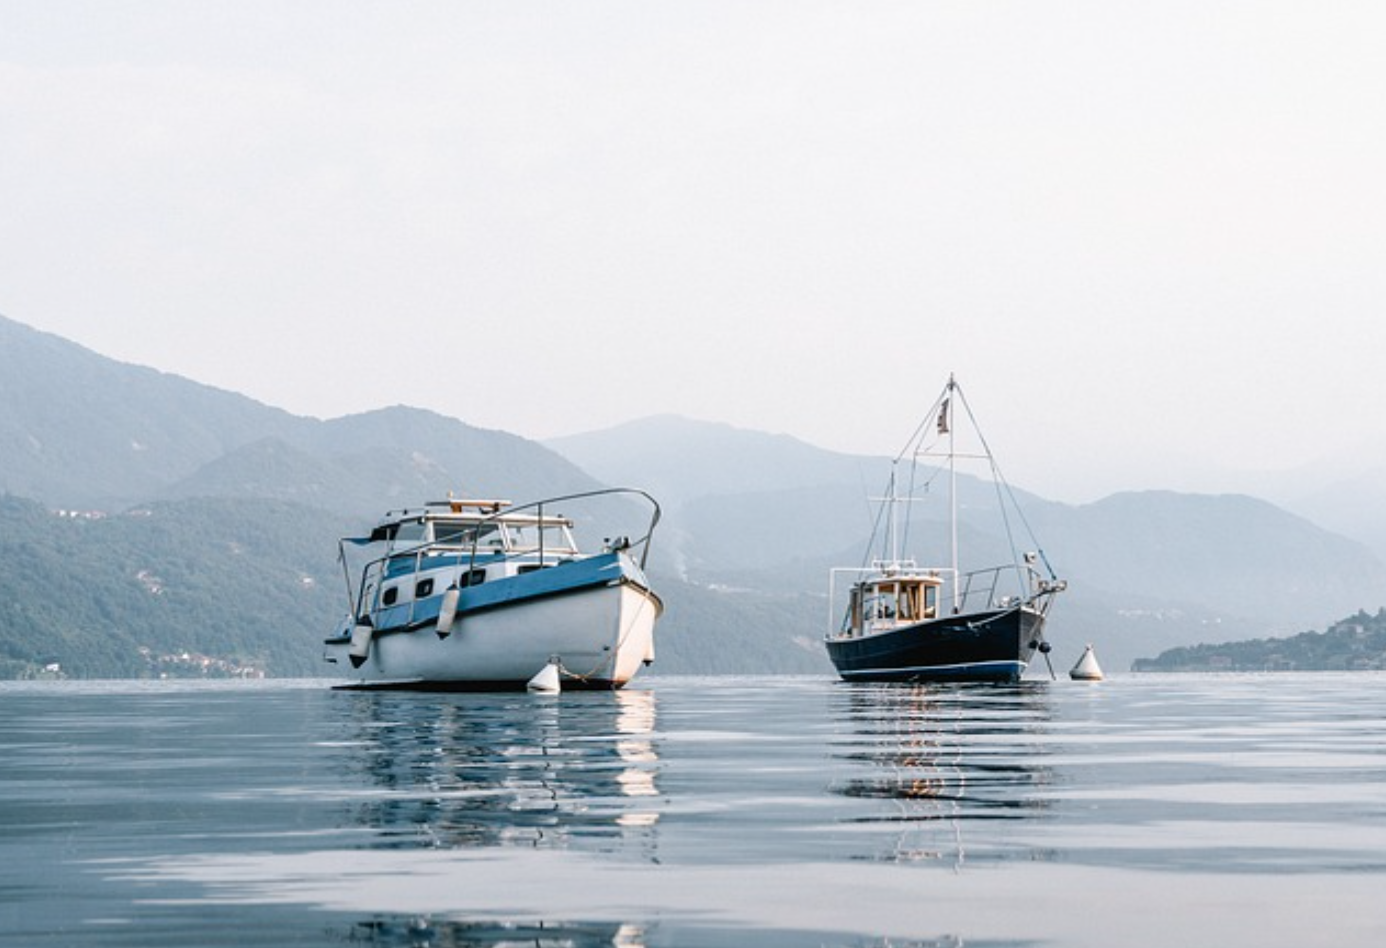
[[423, 588], [461, 534], [557, 538], [452, 533], [472, 577], [880, 605], [907, 601], [528, 568], [411, 531], [390, 596], [553, 537]]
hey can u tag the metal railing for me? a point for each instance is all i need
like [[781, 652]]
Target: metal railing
[[976, 590], [373, 573]]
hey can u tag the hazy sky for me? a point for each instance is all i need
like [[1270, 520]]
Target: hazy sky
[[1149, 238]]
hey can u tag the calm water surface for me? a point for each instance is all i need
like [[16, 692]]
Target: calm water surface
[[1143, 810]]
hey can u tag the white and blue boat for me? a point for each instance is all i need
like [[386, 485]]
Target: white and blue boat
[[484, 595], [892, 619]]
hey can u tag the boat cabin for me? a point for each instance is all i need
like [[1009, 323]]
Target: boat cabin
[[890, 599], [461, 542], [464, 525]]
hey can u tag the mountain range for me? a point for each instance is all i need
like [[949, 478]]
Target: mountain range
[[753, 523]]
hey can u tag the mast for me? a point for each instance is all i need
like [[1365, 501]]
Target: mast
[[947, 427]]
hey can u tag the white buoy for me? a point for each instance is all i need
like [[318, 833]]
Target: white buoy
[[1087, 668], [546, 680], [447, 612], [361, 642]]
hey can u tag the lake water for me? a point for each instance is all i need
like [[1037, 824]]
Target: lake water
[[1142, 810]]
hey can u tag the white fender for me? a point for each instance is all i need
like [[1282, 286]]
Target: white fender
[[361, 642], [447, 613]]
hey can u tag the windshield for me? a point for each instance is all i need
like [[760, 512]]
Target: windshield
[[485, 536], [552, 537]]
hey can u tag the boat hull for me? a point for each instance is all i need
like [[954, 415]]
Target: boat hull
[[599, 635], [982, 646]]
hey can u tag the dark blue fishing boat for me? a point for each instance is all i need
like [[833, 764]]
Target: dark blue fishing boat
[[906, 622]]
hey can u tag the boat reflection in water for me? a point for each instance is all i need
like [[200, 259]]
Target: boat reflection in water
[[926, 759], [502, 769], [485, 770]]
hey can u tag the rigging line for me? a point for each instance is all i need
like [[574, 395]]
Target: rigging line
[[881, 514], [346, 574], [1002, 482], [912, 448], [998, 482], [917, 490], [909, 495], [935, 471], [917, 438], [1039, 550], [1005, 484], [1020, 512]]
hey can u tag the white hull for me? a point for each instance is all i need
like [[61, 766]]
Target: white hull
[[599, 635]]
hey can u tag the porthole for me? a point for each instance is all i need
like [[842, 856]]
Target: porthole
[[423, 589], [390, 596]]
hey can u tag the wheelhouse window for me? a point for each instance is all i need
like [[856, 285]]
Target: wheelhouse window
[[410, 533], [879, 604], [453, 534], [486, 535], [552, 537]]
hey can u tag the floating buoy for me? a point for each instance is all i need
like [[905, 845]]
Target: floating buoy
[[361, 642], [447, 612], [1087, 668], [547, 679]]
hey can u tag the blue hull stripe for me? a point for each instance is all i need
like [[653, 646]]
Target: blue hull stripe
[[596, 571], [969, 670]]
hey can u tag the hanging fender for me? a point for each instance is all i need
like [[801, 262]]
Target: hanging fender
[[447, 613], [361, 635]]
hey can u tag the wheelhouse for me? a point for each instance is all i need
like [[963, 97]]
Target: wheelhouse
[[891, 597], [478, 525], [416, 554]]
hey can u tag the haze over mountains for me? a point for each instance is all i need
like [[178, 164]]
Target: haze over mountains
[[753, 521]]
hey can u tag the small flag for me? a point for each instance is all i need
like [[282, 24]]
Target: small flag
[[943, 418]]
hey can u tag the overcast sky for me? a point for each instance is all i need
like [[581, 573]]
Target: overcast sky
[[1149, 237]]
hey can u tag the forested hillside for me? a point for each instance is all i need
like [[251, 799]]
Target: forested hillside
[[244, 586], [1357, 643]]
